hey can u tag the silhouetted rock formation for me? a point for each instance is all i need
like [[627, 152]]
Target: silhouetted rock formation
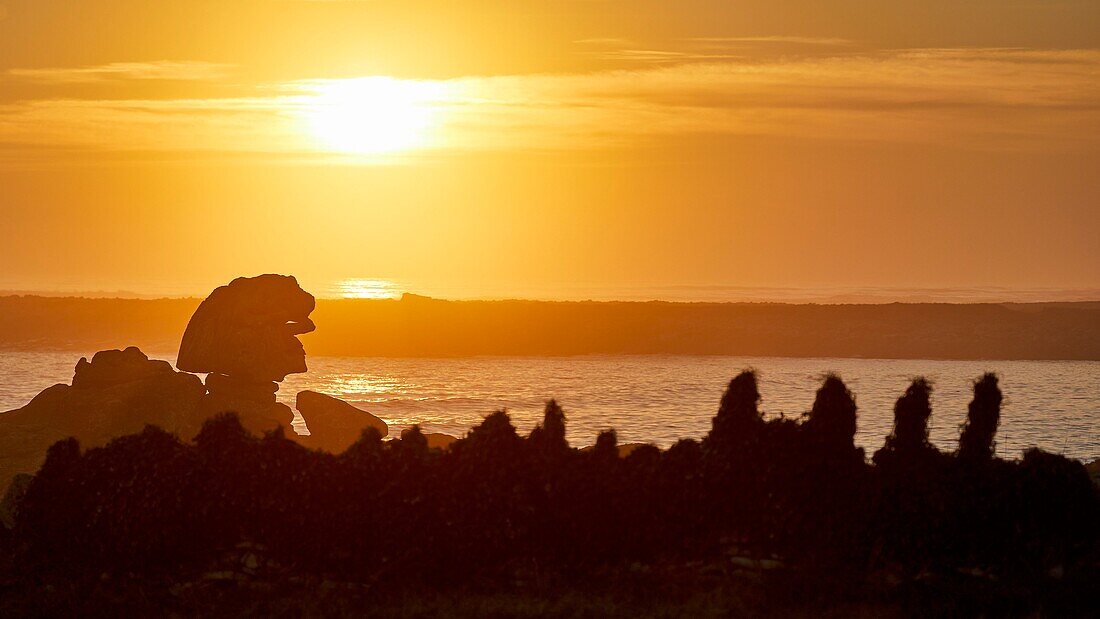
[[114, 367], [119, 392], [333, 423], [438, 440], [623, 451], [224, 387], [247, 330], [243, 335]]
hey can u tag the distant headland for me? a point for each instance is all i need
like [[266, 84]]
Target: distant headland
[[417, 326]]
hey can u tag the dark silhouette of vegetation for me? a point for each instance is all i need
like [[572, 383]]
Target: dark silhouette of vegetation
[[976, 441], [796, 495], [909, 440]]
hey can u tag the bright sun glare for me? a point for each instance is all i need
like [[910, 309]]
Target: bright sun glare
[[367, 289], [373, 115]]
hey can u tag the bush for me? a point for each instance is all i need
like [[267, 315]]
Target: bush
[[497, 505]]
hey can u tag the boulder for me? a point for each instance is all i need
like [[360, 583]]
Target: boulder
[[333, 423], [246, 330], [114, 367], [116, 393], [243, 336], [257, 417], [438, 440], [624, 450], [223, 386]]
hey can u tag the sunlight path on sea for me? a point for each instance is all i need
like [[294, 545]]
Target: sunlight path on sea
[[1052, 404]]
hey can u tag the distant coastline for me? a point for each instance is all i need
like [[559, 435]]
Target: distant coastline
[[417, 326]]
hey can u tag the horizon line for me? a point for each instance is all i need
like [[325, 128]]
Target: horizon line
[[786, 296]]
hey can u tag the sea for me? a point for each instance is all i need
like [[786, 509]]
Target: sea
[[1054, 405]]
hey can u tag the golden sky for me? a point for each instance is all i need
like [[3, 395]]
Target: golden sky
[[550, 148]]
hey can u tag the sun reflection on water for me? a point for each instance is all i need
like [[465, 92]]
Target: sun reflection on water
[[361, 385], [367, 289]]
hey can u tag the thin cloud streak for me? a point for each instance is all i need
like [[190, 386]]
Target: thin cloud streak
[[657, 55], [826, 41], [159, 70], [969, 98]]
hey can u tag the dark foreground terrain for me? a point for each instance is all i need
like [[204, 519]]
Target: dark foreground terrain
[[691, 590], [780, 517]]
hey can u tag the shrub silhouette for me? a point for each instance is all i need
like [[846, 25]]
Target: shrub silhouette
[[497, 507], [908, 443], [832, 419], [548, 438], [829, 508], [976, 441], [734, 449], [738, 420], [909, 519], [1046, 537]]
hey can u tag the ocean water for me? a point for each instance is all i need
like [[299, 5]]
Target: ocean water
[[660, 399]]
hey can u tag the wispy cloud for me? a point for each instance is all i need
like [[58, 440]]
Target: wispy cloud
[[158, 70], [824, 41], [696, 49], [969, 98], [657, 55], [603, 41]]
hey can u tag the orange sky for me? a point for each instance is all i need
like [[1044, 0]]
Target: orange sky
[[557, 148]]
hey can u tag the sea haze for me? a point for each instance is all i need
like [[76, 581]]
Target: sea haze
[[654, 398]]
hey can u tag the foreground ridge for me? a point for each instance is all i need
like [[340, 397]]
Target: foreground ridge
[[761, 494]]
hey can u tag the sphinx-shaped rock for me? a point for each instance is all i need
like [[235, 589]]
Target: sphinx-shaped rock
[[222, 386], [246, 330], [243, 336], [118, 392], [258, 416], [333, 423]]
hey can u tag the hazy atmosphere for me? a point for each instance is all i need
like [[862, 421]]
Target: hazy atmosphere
[[550, 308], [553, 148]]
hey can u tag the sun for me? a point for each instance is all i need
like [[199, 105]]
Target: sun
[[373, 115]]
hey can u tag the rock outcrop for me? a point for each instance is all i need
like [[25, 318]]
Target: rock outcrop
[[438, 440], [333, 423], [115, 367], [246, 330], [118, 392], [244, 336], [624, 450]]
